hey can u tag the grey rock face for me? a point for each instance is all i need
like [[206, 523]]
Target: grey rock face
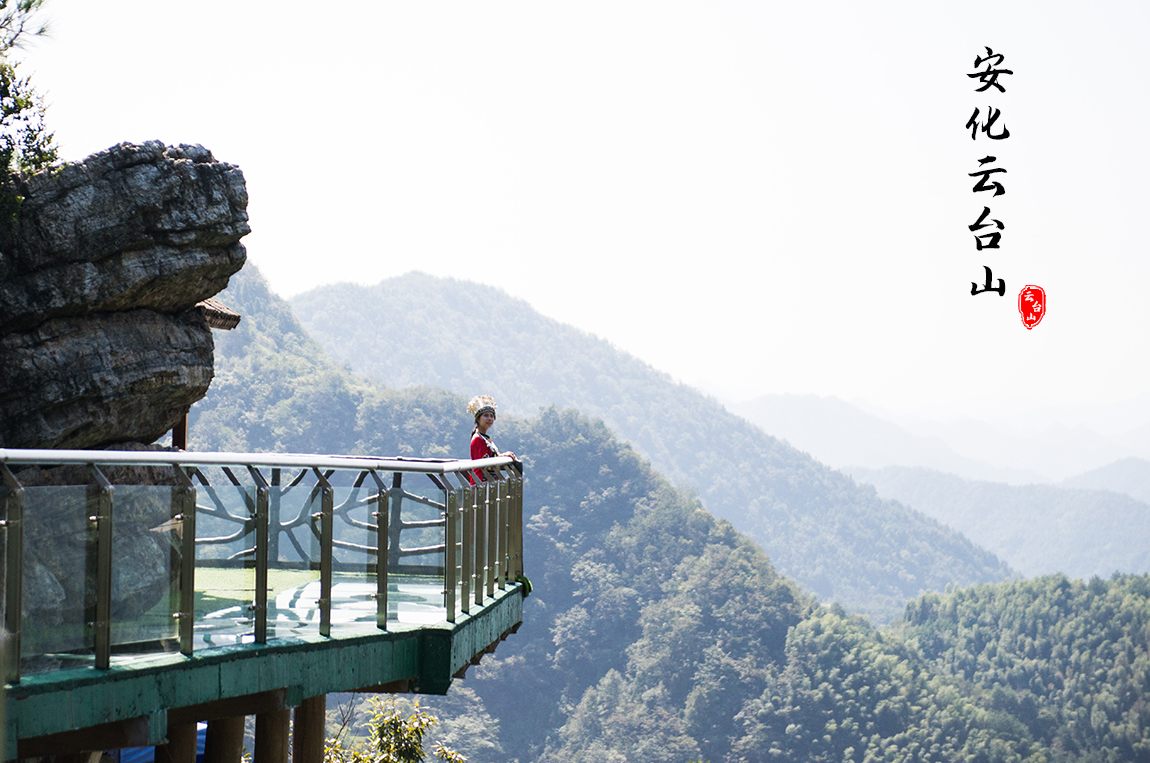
[[98, 344], [133, 226], [82, 382]]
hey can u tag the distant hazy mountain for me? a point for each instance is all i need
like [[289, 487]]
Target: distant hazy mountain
[[1130, 476], [1038, 529], [1054, 451], [1137, 440], [838, 539], [840, 434]]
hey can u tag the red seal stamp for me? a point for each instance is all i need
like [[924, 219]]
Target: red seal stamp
[[1031, 305]]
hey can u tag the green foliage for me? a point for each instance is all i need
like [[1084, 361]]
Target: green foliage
[[1069, 659], [26, 145], [17, 22], [394, 737], [849, 694]]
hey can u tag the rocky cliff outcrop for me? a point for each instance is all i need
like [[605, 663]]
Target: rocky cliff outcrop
[[101, 343], [99, 339]]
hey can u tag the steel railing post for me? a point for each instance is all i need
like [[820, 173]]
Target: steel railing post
[[480, 540], [184, 504], [504, 527], [497, 542], [275, 499], [14, 569], [450, 539], [326, 535], [494, 552], [381, 529], [517, 525], [492, 531], [260, 605], [102, 516]]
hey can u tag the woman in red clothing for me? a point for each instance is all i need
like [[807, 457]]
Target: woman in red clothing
[[482, 407]]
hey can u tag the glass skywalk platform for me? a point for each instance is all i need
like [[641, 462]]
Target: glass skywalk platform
[[146, 590]]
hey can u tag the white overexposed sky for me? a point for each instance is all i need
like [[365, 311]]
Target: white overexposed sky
[[757, 197]]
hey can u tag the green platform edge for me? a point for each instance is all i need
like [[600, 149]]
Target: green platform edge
[[305, 667]]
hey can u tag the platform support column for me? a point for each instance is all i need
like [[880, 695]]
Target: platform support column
[[272, 736], [308, 730], [224, 742], [181, 746]]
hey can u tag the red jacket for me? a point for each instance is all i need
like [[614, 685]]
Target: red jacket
[[481, 447]]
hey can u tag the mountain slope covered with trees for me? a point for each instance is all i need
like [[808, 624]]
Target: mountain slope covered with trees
[[839, 540], [1068, 660], [657, 632]]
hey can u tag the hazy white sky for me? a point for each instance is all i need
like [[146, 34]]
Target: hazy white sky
[[756, 197]]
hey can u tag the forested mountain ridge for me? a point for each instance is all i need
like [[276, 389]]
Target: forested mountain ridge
[[839, 540], [656, 632], [1128, 475], [1038, 529]]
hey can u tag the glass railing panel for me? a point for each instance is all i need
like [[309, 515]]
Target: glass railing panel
[[59, 579], [416, 575], [146, 536], [225, 565], [354, 582], [295, 555]]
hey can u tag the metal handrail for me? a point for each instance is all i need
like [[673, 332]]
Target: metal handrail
[[300, 460], [481, 521]]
